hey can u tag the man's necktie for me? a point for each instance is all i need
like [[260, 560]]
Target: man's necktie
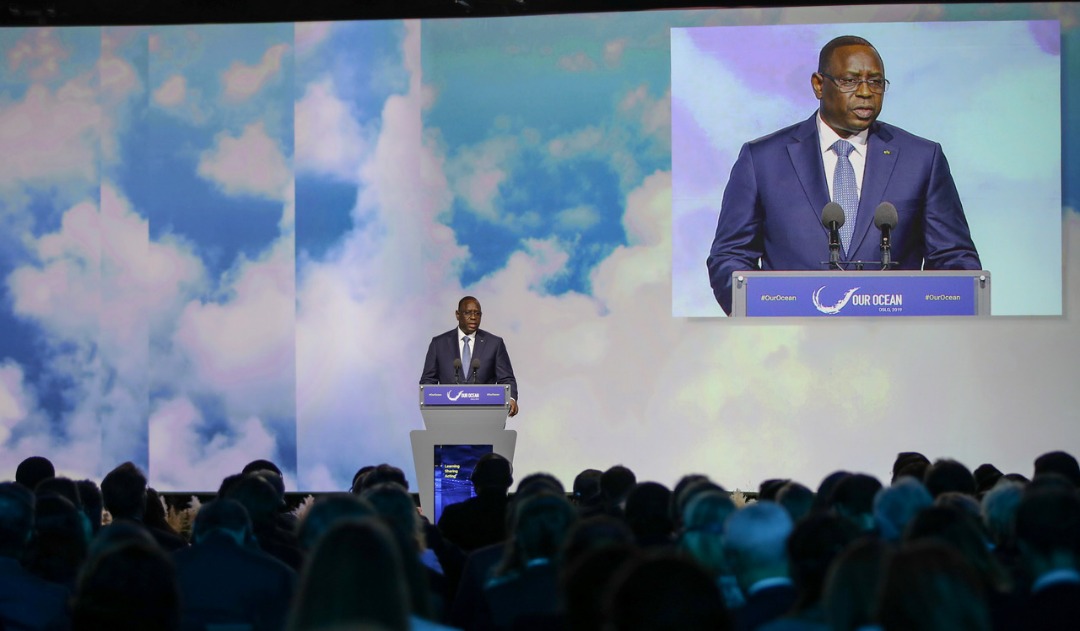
[[466, 358], [845, 192]]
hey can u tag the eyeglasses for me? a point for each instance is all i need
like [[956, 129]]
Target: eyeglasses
[[471, 314], [877, 86]]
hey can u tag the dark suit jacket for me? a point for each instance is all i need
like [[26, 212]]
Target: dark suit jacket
[[764, 606], [30, 602], [770, 217], [489, 349], [221, 582]]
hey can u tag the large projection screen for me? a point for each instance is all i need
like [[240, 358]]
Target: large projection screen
[[222, 243]]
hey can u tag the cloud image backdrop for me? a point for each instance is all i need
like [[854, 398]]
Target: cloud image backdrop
[[222, 243]]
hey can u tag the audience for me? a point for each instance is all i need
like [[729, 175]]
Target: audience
[[941, 548]]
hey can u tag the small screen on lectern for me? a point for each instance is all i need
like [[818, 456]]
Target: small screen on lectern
[[453, 470]]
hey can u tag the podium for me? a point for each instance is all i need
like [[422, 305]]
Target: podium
[[465, 414], [863, 293]]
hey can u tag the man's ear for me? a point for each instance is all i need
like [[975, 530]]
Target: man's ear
[[815, 83]]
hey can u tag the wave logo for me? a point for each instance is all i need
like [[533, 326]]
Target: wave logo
[[834, 308], [454, 396]]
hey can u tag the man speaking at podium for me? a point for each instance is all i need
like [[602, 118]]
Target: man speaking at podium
[[771, 213], [468, 354]]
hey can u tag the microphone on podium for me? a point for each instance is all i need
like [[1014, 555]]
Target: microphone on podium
[[886, 218], [832, 217], [475, 368], [457, 370]]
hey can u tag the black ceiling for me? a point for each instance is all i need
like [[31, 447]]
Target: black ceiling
[[128, 12]]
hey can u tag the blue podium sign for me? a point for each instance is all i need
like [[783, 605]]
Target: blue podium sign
[[464, 394], [861, 294]]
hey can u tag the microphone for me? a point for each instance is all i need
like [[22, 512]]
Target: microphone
[[457, 370], [832, 217], [886, 218], [475, 364]]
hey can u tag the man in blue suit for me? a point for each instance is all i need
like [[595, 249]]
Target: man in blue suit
[[770, 216], [466, 343]]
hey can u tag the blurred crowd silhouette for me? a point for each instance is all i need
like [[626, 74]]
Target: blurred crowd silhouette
[[941, 547]]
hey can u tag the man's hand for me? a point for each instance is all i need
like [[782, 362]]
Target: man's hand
[[513, 407]]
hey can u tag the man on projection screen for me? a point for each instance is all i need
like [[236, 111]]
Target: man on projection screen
[[771, 213], [471, 346]]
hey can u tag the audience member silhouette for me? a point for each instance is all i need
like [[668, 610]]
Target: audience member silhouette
[[615, 484], [895, 506], [796, 499], [92, 504], [853, 499], [949, 475], [665, 593], [33, 470], [59, 544], [755, 540], [586, 488], [480, 521], [223, 581], [586, 579], [26, 601], [261, 501], [909, 461], [123, 491], [1061, 463], [648, 513], [326, 512], [128, 587], [928, 586], [852, 584], [354, 576], [703, 537], [1048, 538]]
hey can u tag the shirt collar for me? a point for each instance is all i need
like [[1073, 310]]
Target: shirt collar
[[827, 137], [1055, 577], [766, 583], [471, 336]]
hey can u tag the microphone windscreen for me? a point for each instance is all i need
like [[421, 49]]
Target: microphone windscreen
[[885, 215], [832, 213], [457, 363], [475, 363]]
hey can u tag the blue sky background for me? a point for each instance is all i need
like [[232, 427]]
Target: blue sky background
[[222, 243]]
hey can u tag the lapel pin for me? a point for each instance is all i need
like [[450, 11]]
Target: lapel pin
[[887, 152]]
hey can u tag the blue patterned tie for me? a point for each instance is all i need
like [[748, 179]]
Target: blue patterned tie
[[845, 192], [466, 358]]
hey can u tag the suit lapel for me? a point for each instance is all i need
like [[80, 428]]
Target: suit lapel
[[805, 153], [881, 156]]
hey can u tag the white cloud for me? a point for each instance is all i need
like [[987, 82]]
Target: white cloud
[[613, 51], [576, 143], [328, 138], [478, 172], [181, 457], [578, 218], [248, 164], [577, 62], [41, 51], [50, 135], [14, 403], [243, 81], [172, 92], [309, 35]]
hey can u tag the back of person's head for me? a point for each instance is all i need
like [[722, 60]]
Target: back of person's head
[[1048, 524], [353, 576], [962, 502], [382, 474], [616, 482], [1059, 462], [260, 465], [224, 516], [116, 534], [129, 586], [586, 486], [768, 489], [928, 586], [33, 470], [16, 518], [539, 482], [157, 515], [823, 495], [585, 580], [123, 491], [897, 505], [539, 528], [92, 504], [591, 533], [813, 545], [703, 529], [648, 507], [853, 498], [356, 486], [395, 507], [986, 476], [275, 481], [962, 532], [949, 475], [493, 474], [64, 487], [60, 541], [755, 539], [228, 482], [684, 490], [257, 496], [665, 593], [327, 511], [796, 499], [852, 583], [905, 459], [999, 510]]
